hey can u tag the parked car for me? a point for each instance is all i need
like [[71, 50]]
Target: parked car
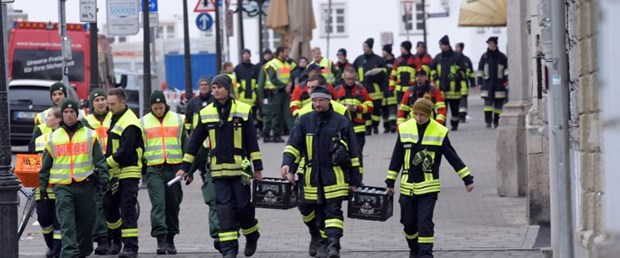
[[26, 99]]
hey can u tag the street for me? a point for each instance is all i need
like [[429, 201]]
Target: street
[[477, 224]]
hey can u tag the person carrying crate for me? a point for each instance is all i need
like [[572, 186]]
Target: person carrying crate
[[327, 142], [421, 143], [72, 154]]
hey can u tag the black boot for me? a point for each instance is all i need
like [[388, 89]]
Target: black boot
[[217, 246], [49, 253], [130, 248], [488, 118], [333, 247], [314, 244], [162, 245], [454, 124], [414, 247], [267, 139], [128, 253], [251, 244], [375, 129], [102, 246], [57, 245], [368, 130], [496, 120], [116, 244], [49, 241], [321, 249], [277, 139], [171, 248]]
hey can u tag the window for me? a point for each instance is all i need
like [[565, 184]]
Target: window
[[271, 39], [122, 39], [413, 21], [334, 22], [165, 31]]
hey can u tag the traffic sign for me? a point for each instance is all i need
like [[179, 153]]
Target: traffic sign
[[153, 6], [123, 18], [204, 21], [205, 6], [88, 10]]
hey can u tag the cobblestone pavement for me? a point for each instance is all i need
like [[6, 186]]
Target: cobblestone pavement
[[477, 224]]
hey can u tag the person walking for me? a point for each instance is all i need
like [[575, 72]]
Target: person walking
[[470, 81], [422, 89], [195, 104], [124, 152], [99, 120], [72, 155], [223, 122], [447, 70], [418, 152], [372, 74], [328, 175], [277, 87], [46, 209], [390, 103], [164, 137], [493, 79]]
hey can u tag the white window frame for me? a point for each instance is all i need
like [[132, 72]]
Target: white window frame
[[415, 11], [161, 32], [323, 22]]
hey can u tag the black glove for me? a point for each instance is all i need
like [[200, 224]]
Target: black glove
[[43, 194]]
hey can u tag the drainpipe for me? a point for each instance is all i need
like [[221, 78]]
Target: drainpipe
[[563, 230]]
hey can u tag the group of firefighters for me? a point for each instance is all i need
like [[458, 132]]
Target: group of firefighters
[[93, 163]]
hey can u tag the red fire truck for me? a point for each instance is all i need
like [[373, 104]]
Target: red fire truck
[[35, 53]]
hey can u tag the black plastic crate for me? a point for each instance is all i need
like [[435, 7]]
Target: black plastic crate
[[370, 203], [274, 193]]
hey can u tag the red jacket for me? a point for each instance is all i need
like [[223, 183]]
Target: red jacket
[[300, 97], [415, 92]]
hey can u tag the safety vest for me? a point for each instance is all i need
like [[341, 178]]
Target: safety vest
[[39, 142], [234, 86], [283, 73], [101, 128], [431, 142], [327, 69], [211, 118], [134, 171], [247, 93], [73, 156], [162, 139]]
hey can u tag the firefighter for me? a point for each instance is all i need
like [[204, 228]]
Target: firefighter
[[389, 107], [493, 78], [247, 76], [421, 143], [447, 70], [403, 71], [358, 102], [470, 80], [277, 87], [422, 88], [195, 104], [372, 74], [329, 71], [229, 69], [99, 120], [260, 92], [300, 97], [208, 189], [298, 74], [316, 81], [328, 177], [72, 154], [46, 209], [227, 121], [164, 137], [422, 60], [124, 157], [342, 64]]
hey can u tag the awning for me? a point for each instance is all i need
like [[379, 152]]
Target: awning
[[483, 13]]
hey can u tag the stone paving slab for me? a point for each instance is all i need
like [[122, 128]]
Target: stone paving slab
[[477, 224]]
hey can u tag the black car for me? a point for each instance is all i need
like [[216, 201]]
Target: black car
[[26, 99]]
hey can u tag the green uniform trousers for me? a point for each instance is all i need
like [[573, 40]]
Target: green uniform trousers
[[289, 120], [208, 193], [76, 211], [273, 113], [165, 200], [100, 231]]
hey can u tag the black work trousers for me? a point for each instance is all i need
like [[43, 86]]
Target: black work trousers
[[234, 209], [453, 105], [324, 218], [121, 213], [416, 215]]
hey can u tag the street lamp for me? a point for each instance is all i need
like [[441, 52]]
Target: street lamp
[[256, 9], [8, 182]]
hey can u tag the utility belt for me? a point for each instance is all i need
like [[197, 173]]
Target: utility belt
[[163, 165]]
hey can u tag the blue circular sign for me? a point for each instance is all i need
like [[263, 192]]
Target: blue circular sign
[[204, 21]]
